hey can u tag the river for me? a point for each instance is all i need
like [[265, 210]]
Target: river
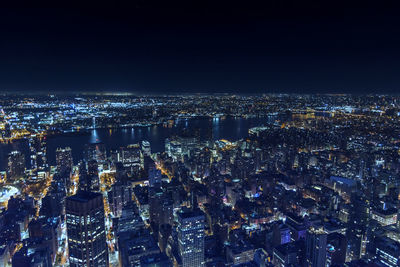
[[231, 128]]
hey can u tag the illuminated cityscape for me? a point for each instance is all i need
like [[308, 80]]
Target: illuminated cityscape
[[218, 180], [200, 133]]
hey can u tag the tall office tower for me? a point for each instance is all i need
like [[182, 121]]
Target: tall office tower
[[316, 239], [84, 181], [86, 230], [119, 196], [156, 198], [357, 226], [93, 175], [16, 165], [64, 159], [191, 237], [64, 165], [88, 176], [38, 153], [146, 149]]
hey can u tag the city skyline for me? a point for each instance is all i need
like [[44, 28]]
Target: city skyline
[[267, 180], [200, 134]]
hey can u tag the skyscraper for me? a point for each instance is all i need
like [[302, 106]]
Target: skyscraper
[[357, 225], [84, 181], [316, 239], [64, 165], [93, 175], [118, 197], [146, 148], [38, 153], [16, 165], [64, 159], [86, 230], [191, 237]]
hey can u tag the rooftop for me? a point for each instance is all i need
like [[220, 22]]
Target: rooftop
[[84, 196]]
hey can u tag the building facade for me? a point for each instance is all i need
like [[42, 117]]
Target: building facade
[[191, 237], [86, 230]]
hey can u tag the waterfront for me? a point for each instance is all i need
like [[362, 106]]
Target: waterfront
[[231, 128]]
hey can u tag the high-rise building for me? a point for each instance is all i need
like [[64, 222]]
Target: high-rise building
[[16, 165], [64, 163], [387, 252], [38, 153], [118, 197], [93, 175], [316, 239], [86, 230], [146, 149], [161, 205], [336, 249], [191, 237], [64, 159], [357, 226], [88, 176], [156, 198], [84, 181]]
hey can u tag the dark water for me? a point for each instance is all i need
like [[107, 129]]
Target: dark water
[[229, 128]]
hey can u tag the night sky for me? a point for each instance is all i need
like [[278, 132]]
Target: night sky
[[203, 47]]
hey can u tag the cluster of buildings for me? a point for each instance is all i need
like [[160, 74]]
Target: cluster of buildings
[[23, 116], [319, 188]]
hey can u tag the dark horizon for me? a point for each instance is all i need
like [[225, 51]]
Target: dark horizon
[[200, 47], [128, 93]]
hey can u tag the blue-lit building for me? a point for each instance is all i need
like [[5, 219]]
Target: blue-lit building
[[316, 242], [86, 230], [388, 252], [191, 237]]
